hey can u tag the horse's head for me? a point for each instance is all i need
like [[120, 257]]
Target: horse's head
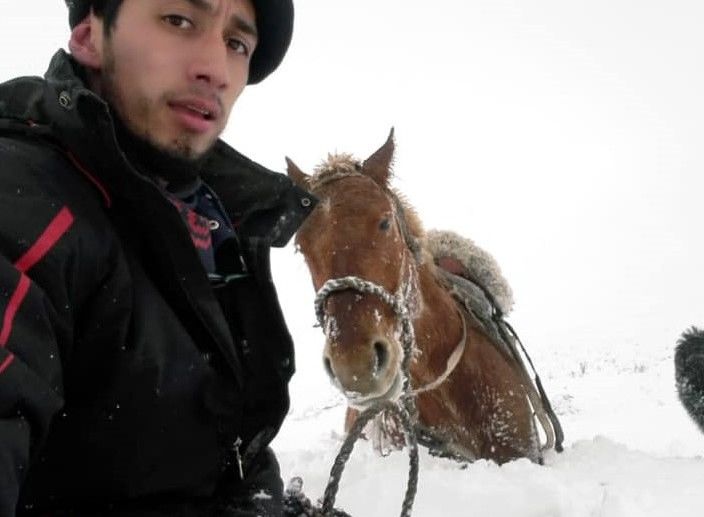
[[360, 228]]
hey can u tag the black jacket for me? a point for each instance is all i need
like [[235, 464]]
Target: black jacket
[[129, 384]]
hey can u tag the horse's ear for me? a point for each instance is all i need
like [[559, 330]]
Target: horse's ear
[[378, 165], [299, 177]]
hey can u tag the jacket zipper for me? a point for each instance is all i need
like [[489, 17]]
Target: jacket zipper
[[238, 457]]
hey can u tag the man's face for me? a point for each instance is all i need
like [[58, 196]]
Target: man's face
[[172, 69]]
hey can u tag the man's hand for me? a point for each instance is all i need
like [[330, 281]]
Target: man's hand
[[296, 504]]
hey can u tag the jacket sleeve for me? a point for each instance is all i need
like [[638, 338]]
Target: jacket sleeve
[[36, 314], [30, 376]]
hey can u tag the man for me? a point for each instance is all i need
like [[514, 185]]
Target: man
[[144, 359]]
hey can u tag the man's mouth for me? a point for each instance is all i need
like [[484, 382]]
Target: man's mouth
[[196, 114], [205, 107], [207, 115]]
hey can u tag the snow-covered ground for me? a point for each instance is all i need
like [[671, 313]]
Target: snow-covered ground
[[630, 449]]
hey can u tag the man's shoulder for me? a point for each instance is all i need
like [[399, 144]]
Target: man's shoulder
[[50, 218], [30, 163], [37, 182], [19, 91], [27, 160]]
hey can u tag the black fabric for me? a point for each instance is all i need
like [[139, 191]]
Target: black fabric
[[126, 379]]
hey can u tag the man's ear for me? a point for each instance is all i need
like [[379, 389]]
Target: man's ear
[[86, 43]]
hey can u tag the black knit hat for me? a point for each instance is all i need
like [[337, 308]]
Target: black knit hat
[[274, 25]]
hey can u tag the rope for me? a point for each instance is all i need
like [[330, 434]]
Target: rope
[[346, 450], [404, 409]]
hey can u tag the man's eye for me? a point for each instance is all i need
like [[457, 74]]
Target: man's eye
[[238, 46], [178, 21]]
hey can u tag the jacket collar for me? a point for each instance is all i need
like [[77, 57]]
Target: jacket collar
[[263, 203]]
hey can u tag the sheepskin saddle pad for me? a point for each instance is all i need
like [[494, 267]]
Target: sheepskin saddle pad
[[474, 279]]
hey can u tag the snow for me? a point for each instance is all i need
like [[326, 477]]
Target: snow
[[630, 449]]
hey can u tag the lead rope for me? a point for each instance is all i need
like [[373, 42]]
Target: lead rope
[[404, 408]]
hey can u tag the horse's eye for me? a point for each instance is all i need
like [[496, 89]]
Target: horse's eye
[[385, 224]]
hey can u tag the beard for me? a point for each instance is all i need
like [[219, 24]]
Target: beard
[[177, 163], [178, 169]]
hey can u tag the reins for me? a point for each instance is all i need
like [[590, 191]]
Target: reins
[[558, 435], [404, 408]]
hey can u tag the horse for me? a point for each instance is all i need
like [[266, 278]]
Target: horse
[[474, 397]]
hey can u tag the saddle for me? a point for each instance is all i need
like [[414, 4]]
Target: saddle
[[473, 278]]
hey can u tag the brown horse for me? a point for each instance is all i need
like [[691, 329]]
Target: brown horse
[[475, 398]]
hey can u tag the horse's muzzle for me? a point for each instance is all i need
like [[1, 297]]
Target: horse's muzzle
[[361, 402]]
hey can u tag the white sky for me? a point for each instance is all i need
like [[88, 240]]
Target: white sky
[[563, 136]]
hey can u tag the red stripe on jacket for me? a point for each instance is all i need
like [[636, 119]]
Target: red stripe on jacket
[[15, 301], [103, 191], [6, 363], [47, 240], [60, 225]]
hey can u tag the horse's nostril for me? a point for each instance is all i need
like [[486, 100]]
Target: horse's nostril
[[381, 352], [328, 367]]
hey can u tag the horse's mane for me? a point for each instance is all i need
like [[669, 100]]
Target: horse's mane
[[341, 165], [337, 165]]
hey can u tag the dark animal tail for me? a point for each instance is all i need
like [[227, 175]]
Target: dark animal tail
[[689, 373]]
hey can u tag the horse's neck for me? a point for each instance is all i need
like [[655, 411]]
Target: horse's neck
[[438, 324]]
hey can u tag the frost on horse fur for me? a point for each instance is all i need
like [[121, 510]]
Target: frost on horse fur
[[474, 396]]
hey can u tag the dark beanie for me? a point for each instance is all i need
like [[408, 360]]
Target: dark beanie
[[274, 25]]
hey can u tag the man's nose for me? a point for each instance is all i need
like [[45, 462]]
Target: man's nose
[[209, 62]]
